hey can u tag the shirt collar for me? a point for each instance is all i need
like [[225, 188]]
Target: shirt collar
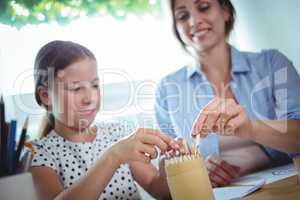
[[239, 61], [239, 64]]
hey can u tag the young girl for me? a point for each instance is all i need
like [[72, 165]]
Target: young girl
[[74, 160]]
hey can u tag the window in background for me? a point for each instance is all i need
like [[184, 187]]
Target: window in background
[[133, 54]]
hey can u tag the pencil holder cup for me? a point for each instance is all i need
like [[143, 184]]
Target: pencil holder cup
[[187, 178]]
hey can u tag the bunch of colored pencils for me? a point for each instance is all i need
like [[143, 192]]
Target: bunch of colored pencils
[[190, 153], [9, 151]]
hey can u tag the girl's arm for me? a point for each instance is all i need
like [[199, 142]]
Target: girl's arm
[[134, 148], [154, 181], [90, 186]]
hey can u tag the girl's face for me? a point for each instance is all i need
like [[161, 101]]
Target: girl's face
[[75, 95], [201, 23]]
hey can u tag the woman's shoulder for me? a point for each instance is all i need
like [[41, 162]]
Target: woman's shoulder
[[265, 56], [265, 61], [177, 75]]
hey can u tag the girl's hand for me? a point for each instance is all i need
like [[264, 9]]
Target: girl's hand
[[224, 117], [141, 146], [220, 172]]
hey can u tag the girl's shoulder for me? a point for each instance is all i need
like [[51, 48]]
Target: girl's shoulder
[[49, 140], [115, 130]]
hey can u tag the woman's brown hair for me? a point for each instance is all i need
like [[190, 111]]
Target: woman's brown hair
[[51, 58], [228, 26]]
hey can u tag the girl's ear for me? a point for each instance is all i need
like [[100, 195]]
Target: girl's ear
[[44, 96]]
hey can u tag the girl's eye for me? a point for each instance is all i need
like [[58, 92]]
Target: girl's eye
[[96, 86], [74, 89]]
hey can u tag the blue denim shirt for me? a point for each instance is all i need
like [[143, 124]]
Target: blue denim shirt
[[265, 83]]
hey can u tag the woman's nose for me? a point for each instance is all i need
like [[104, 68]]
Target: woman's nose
[[195, 18]]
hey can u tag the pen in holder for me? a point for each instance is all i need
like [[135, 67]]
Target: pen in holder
[[187, 176]]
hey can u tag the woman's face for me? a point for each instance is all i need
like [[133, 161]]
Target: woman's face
[[201, 23], [75, 95]]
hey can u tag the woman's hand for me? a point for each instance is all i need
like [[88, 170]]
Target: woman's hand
[[141, 146], [224, 117], [220, 172]]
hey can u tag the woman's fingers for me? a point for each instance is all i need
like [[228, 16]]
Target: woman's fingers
[[221, 172], [217, 174], [213, 114], [200, 126], [237, 119], [216, 180], [226, 167]]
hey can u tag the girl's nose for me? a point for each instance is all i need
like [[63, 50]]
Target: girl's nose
[[87, 96]]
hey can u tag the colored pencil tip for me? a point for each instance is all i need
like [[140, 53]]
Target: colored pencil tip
[[26, 123]]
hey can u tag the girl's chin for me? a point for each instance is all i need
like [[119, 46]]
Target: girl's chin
[[81, 125]]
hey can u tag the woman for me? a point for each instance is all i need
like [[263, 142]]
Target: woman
[[248, 100], [75, 160]]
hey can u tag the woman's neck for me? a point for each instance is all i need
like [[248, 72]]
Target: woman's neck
[[216, 61], [73, 134]]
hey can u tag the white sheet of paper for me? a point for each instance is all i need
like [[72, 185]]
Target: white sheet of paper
[[236, 192], [269, 175], [248, 184]]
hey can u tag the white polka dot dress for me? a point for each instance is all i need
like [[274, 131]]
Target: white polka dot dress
[[71, 160]]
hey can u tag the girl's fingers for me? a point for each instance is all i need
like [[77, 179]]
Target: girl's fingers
[[179, 142], [174, 145], [159, 139], [159, 134], [154, 140], [141, 157], [148, 150]]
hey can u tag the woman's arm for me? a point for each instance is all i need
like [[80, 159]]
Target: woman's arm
[[282, 135], [90, 186], [226, 117]]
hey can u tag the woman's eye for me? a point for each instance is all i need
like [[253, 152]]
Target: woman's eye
[[182, 16], [203, 7]]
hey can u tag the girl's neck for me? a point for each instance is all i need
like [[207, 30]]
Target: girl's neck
[[216, 61], [73, 134]]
